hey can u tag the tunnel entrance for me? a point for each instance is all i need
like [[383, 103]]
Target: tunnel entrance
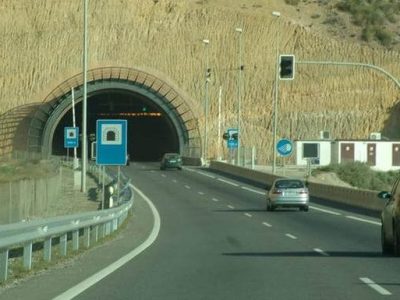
[[150, 132], [160, 117]]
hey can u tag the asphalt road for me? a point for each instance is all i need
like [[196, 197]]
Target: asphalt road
[[217, 241]]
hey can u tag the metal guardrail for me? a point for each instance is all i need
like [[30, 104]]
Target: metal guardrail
[[91, 225]]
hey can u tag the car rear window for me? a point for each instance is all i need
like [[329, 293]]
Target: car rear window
[[289, 184], [172, 156]]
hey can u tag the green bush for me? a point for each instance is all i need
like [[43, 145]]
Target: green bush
[[384, 36], [372, 16], [292, 2], [360, 175]]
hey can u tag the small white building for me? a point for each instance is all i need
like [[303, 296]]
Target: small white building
[[381, 155]]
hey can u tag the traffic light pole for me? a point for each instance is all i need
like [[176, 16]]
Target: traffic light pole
[[352, 64], [275, 107]]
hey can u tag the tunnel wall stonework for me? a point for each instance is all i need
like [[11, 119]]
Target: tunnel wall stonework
[[42, 47]]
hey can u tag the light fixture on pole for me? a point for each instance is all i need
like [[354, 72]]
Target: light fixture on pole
[[239, 91], [275, 106], [84, 102], [207, 80]]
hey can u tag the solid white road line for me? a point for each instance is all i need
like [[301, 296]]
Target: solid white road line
[[248, 215], [228, 182], [92, 280], [364, 220], [291, 236], [231, 207], [325, 211], [375, 286], [205, 174], [215, 199], [267, 224], [188, 187], [321, 252], [252, 190]]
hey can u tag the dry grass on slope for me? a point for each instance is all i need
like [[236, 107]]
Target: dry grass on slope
[[43, 46]]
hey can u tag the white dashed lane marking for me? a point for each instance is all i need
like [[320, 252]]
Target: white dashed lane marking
[[322, 252], [375, 286], [248, 215], [215, 199], [231, 207], [291, 236], [201, 193], [267, 224], [188, 187]]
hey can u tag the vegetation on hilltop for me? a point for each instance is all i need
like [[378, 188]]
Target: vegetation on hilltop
[[376, 19], [360, 175]]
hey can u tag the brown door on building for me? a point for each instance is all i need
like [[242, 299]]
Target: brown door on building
[[396, 155], [346, 152], [371, 154]]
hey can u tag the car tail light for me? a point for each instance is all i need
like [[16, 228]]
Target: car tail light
[[277, 192]]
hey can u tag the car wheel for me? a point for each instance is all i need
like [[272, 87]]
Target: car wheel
[[304, 208], [396, 238], [386, 247]]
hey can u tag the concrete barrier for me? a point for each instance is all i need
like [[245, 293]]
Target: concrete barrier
[[366, 199]]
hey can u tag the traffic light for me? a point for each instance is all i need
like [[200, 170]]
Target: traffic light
[[286, 67], [208, 73]]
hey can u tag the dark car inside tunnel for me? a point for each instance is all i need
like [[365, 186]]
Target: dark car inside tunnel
[[150, 132]]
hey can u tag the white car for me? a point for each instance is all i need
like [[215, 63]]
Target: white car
[[288, 192]]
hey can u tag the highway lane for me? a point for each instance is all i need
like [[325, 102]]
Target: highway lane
[[218, 242]]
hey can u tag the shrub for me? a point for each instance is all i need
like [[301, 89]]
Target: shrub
[[292, 2], [360, 175], [383, 36]]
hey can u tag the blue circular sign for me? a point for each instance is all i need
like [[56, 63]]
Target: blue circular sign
[[284, 147]]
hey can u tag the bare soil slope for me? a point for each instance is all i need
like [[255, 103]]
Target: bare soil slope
[[42, 46]]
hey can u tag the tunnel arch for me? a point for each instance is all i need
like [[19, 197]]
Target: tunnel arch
[[179, 111]]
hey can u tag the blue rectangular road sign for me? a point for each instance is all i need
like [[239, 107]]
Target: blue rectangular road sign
[[232, 142], [71, 137], [111, 138]]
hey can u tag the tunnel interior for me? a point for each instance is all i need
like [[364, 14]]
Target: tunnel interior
[[151, 133]]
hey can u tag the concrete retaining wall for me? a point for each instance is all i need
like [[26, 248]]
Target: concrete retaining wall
[[355, 197]]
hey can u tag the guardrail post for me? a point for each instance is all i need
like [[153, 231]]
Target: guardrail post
[[96, 233], [114, 224], [47, 250], [86, 237], [3, 264], [108, 228], [75, 240], [102, 230], [28, 256], [63, 245]]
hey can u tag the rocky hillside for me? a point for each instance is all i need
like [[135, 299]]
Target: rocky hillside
[[42, 45]]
